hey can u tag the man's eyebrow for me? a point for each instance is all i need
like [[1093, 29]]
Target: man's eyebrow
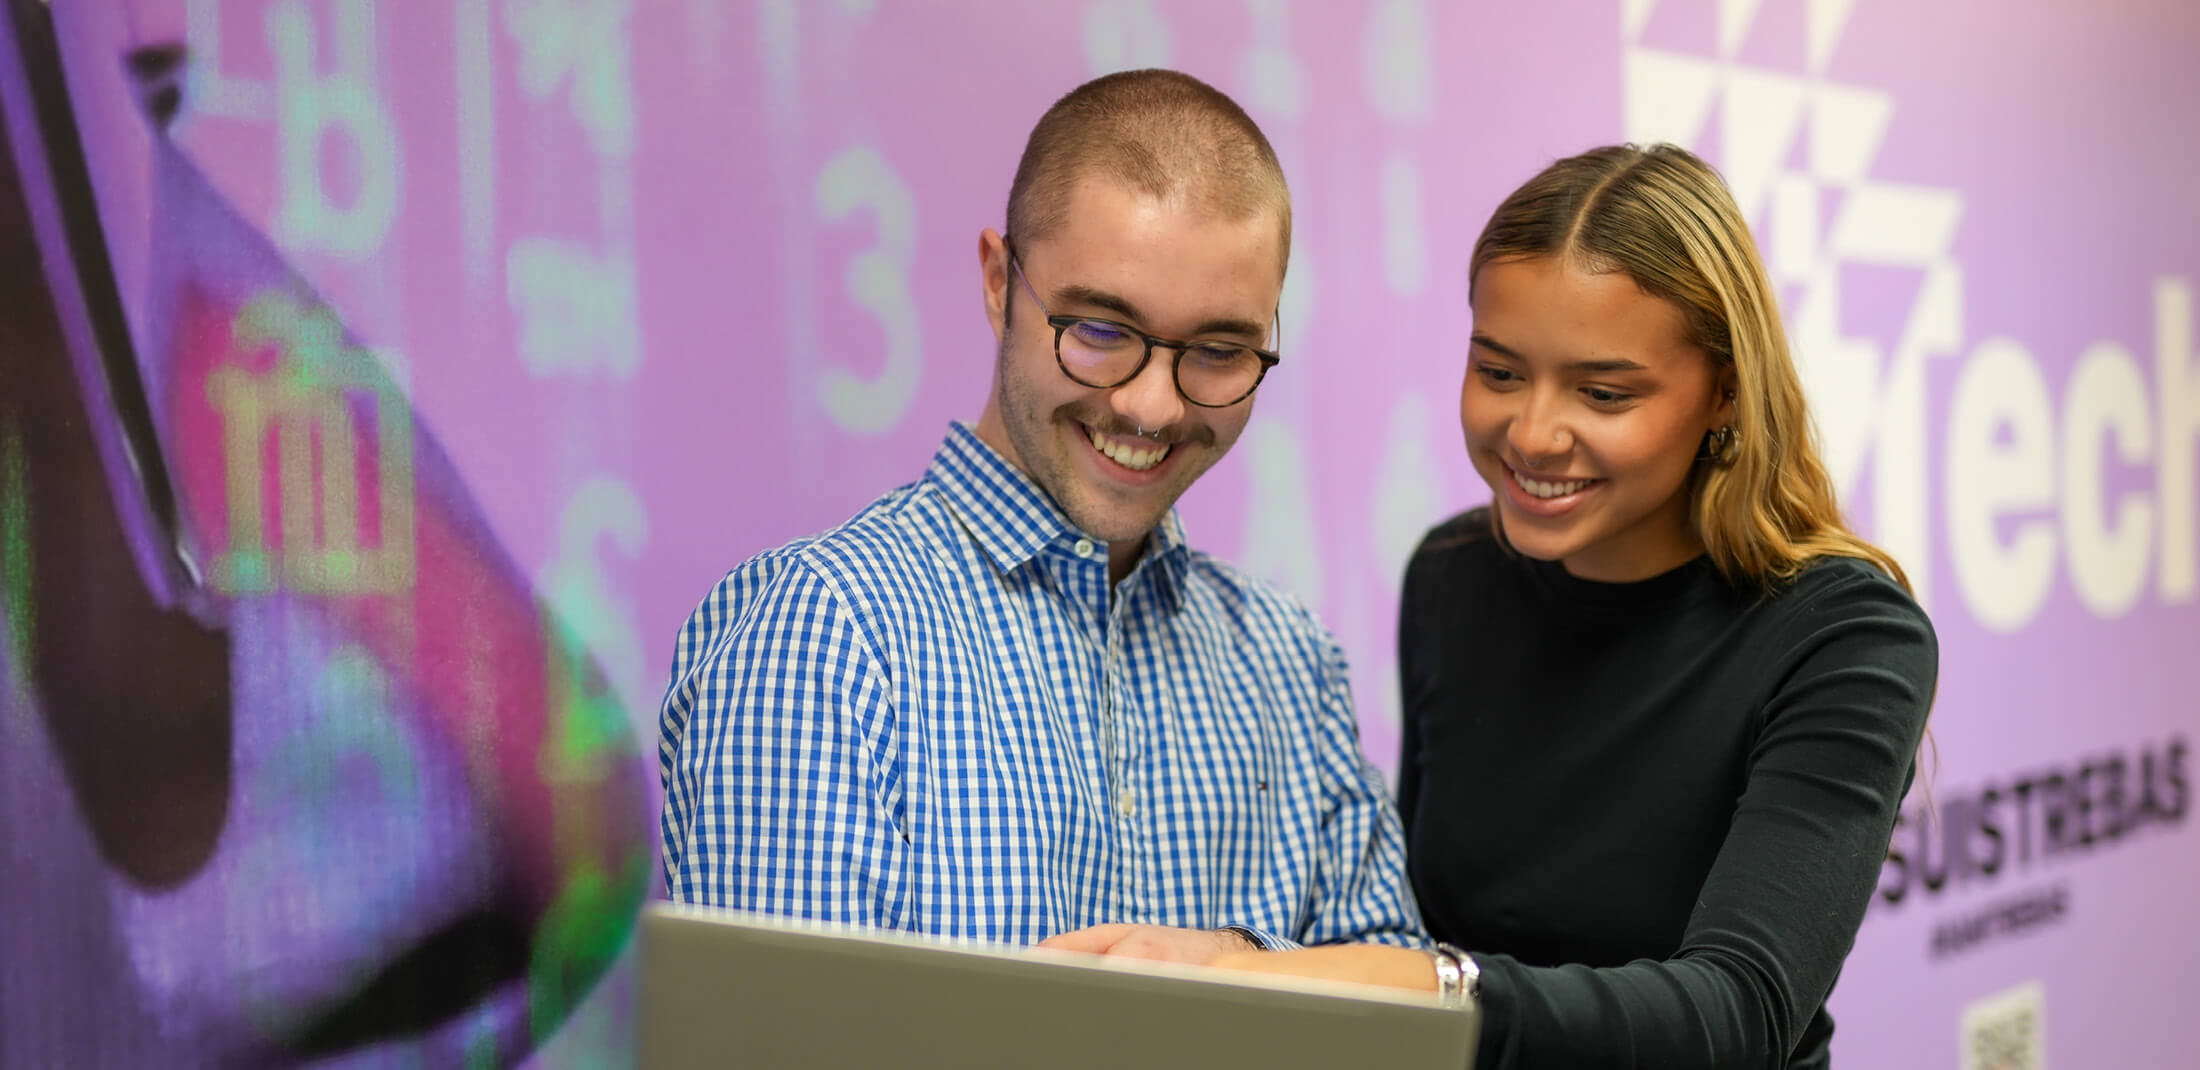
[[1121, 306], [1086, 295], [1245, 328]]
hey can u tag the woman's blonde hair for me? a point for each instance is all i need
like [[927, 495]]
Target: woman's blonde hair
[[1764, 506]]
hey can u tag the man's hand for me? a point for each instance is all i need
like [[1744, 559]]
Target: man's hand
[[1195, 946]]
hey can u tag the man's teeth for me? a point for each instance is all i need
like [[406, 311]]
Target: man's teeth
[[1135, 458], [1540, 489]]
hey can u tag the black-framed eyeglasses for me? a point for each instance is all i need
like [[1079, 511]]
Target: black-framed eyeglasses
[[1103, 353]]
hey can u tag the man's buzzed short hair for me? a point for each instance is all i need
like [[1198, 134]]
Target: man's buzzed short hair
[[1162, 133]]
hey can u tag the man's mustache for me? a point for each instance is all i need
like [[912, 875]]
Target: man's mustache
[[1174, 434]]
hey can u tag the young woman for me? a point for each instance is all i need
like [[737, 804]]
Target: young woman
[[1660, 704]]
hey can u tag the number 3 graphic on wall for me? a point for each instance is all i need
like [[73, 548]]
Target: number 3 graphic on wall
[[878, 281]]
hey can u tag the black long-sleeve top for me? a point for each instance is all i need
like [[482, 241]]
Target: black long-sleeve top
[[1654, 812]]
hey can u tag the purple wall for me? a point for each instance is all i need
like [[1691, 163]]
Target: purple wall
[[674, 282]]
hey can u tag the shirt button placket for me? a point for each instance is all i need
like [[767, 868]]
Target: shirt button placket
[[1122, 766]]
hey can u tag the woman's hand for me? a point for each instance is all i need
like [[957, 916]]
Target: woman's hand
[[1366, 964]]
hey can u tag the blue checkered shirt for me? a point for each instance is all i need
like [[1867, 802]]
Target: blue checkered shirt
[[936, 718]]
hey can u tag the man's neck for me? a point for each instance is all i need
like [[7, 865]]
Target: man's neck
[[1123, 557]]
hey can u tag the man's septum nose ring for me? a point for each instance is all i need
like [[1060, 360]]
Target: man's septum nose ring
[[1143, 433]]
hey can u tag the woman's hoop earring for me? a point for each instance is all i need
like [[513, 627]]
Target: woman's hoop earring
[[1715, 443]]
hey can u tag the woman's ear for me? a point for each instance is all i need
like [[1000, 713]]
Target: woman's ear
[[1723, 412]]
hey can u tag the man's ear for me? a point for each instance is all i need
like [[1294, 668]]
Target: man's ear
[[993, 272]]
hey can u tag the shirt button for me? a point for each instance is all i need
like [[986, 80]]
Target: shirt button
[[1083, 547], [1126, 805]]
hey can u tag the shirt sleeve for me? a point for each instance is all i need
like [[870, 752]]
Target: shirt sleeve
[[1781, 905], [779, 797], [1360, 893]]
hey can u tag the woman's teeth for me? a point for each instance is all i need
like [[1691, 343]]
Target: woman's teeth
[[1540, 489]]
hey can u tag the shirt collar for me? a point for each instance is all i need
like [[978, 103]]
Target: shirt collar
[[1012, 519]]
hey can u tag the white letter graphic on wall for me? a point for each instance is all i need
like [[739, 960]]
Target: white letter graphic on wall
[[2108, 548], [2004, 584]]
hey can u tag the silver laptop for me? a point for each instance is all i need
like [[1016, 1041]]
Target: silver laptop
[[725, 989]]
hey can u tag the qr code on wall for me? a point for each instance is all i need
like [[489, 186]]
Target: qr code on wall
[[2007, 1030]]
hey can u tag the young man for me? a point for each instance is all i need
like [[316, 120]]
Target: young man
[[1007, 702]]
